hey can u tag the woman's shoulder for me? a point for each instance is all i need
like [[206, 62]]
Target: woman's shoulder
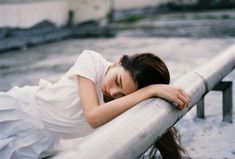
[[91, 54], [91, 58]]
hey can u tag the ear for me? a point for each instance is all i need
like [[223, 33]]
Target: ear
[[119, 60]]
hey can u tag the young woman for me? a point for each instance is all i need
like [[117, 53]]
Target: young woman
[[34, 118]]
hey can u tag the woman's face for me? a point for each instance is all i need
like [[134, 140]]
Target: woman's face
[[117, 82]]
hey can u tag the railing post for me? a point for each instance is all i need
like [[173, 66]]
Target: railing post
[[200, 108], [226, 87]]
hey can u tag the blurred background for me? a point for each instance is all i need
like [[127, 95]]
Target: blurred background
[[42, 39]]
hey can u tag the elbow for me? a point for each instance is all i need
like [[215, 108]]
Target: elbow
[[93, 124], [93, 120]]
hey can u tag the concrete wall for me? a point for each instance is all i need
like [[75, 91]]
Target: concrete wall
[[89, 9], [28, 13], [129, 4]]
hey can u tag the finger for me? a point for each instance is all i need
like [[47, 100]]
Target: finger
[[185, 95], [184, 100], [180, 104]]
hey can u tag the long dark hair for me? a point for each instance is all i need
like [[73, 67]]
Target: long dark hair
[[147, 69]]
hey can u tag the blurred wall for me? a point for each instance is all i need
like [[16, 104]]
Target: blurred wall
[[130, 4], [26, 13], [85, 10]]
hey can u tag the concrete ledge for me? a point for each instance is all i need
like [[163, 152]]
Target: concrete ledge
[[45, 32]]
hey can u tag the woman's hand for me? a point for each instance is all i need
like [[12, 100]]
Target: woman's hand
[[171, 93]]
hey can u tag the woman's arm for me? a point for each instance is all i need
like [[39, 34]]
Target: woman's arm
[[97, 114]]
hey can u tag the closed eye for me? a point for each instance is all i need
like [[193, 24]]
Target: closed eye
[[120, 81], [116, 81]]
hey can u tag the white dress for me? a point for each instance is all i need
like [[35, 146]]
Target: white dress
[[34, 118]]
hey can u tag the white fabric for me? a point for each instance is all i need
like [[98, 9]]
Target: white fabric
[[22, 133], [59, 103], [33, 118]]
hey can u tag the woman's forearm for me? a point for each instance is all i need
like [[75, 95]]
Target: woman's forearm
[[97, 114], [108, 111]]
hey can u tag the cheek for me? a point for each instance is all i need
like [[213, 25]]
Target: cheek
[[108, 83], [109, 80], [105, 83]]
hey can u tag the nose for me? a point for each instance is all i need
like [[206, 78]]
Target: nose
[[115, 92]]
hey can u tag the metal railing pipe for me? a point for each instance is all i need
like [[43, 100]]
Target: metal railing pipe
[[215, 70], [132, 133]]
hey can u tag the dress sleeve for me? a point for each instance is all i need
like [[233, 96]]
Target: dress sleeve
[[86, 65]]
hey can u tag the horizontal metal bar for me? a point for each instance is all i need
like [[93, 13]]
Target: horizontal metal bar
[[222, 85]]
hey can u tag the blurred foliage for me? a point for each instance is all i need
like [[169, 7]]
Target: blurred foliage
[[131, 19]]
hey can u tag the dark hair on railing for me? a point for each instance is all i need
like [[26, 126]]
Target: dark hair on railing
[[147, 69]]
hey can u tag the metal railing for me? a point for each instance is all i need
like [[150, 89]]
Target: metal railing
[[132, 133], [226, 88]]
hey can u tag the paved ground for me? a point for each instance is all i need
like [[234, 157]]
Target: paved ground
[[210, 138]]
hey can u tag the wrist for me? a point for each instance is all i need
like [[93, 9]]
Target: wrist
[[153, 90]]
